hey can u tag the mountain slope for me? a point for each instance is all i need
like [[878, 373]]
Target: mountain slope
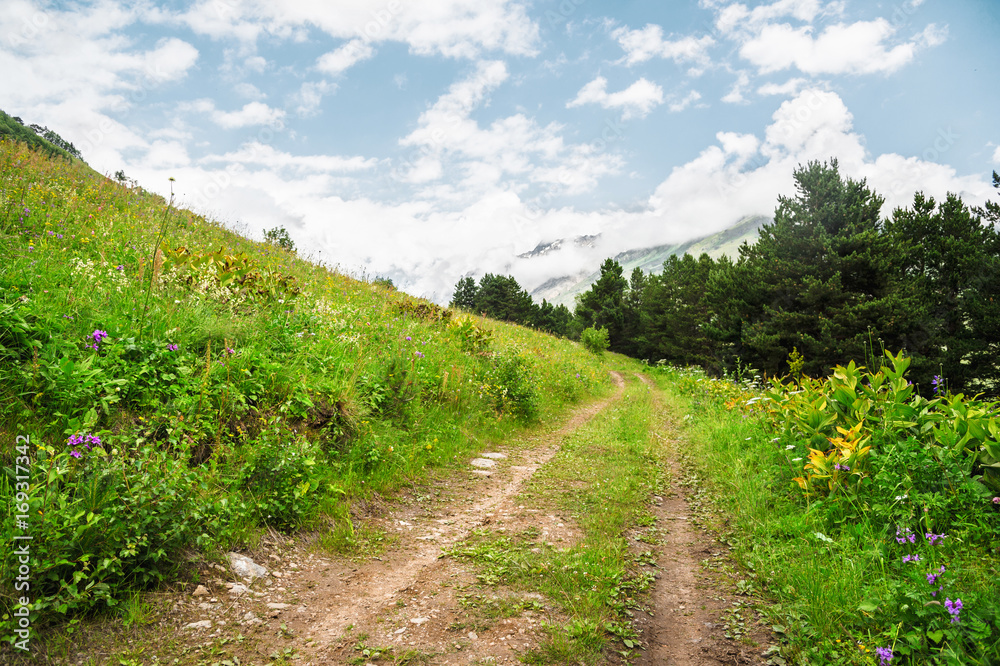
[[564, 290]]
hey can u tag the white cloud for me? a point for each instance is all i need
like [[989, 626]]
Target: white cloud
[[310, 96], [635, 101], [789, 88], [262, 154], [996, 155], [252, 113], [856, 48], [646, 43], [339, 60], [735, 94], [679, 105]]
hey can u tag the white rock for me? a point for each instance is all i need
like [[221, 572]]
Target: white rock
[[495, 456], [200, 591], [399, 631], [420, 620], [245, 567], [472, 636], [204, 624], [276, 606], [249, 616], [484, 463], [238, 588]]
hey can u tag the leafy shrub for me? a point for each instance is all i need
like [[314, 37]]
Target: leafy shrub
[[471, 338], [281, 478], [111, 523], [510, 385], [595, 340]]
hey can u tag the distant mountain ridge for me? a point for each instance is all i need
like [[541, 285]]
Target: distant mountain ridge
[[563, 290]]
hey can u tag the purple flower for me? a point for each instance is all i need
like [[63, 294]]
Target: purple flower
[[843, 468], [905, 535], [934, 537], [99, 335], [936, 383], [408, 338], [120, 267], [884, 655], [75, 454], [171, 347], [996, 500], [954, 607], [911, 558], [230, 350], [418, 354]]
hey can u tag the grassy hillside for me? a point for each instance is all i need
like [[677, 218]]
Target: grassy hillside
[[168, 389], [12, 130]]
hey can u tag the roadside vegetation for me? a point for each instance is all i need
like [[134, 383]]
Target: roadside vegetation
[[181, 389], [864, 513]]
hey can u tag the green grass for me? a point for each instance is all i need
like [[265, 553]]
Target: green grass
[[240, 387], [602, 477]]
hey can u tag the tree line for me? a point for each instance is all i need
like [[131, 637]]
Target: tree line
[[829, 279]]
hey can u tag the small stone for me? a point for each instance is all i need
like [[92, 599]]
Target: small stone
[[245, 567], [420, 620], [483, 463], [401, 630], [205, 606], [473, 636], [238, 588], [249, 616], [200, 591], [495, 456], [204, 624], [277, 606]]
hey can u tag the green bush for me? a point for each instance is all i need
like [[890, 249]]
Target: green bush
[[282, 478], [509, 384], [595, 340]]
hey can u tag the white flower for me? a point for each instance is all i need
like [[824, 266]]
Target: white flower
[[789, 447]]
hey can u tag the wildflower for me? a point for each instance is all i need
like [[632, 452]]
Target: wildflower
[[884, 655], [936, 383], [418, 354], [408, 338], [954, 607], [907, 535], [932, 577], [996, 500], [230, 350], [843, 468], [900, 498], [120, 267], [911, 558], [934, 537], [171, 347], [99, 335], [789, 447], [75, 454]]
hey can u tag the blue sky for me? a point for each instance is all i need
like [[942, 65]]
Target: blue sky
[[430, 140]]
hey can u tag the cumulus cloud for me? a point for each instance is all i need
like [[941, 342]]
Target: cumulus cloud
[[339, 60], [512, 152], [635, 101], [648, 42], [856, 48], [252, 114], [996, 155]]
